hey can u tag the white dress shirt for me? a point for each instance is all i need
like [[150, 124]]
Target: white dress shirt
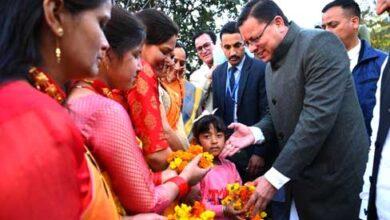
[[353, 55], [200, 77], [364, 195]]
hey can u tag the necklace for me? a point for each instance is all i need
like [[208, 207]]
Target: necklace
[[102, 89], [44, 83]]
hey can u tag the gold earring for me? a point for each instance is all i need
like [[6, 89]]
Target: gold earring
[[60, 31], [58, 49]]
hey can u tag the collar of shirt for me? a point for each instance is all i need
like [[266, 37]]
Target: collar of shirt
[[239, 66], [237, 75], [353, 55]]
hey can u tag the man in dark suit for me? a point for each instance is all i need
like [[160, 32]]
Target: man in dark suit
[[313, 110], [239, 95]]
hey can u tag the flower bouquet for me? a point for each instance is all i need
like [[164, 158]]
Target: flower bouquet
[[179, 159], [196, 212], [237, 196]]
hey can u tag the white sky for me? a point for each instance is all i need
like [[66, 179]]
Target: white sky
[[306, 13]]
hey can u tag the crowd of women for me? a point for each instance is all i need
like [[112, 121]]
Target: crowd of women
[[90, 111]]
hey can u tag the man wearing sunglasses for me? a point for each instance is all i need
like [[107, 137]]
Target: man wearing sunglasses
[[313, 111]]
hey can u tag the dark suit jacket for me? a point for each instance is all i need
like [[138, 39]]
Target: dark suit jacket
[[252, 100], [319, 124], [384, 124]]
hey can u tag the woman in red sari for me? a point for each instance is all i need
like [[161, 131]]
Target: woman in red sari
[[42, 45], [149, 121], [108, 131]]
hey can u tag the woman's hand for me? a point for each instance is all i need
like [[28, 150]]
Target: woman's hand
[[167, 174], [192, 173]]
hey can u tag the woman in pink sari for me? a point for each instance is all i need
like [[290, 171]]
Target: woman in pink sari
[[108, 131]]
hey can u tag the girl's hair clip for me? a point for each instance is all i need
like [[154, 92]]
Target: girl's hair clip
[[205, 113]]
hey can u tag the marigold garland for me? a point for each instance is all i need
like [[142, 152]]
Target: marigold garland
[[196, 212], [44, 83], [179, 159], [103, 89], [237, 196]]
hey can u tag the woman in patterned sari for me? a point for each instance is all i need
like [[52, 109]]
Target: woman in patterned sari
[[108, 131], [146, 112], [172, 92], [43, 169]]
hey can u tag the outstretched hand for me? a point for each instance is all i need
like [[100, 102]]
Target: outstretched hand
[[241, 138]]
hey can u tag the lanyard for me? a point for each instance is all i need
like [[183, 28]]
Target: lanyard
[[233, 92]]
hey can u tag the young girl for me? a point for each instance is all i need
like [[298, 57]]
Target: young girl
[[210, 132]]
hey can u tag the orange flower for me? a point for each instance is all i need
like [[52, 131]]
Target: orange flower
[[238, 196], [195, 149], [206, 160], [256, 217], [196, 212], [182, 166], [178, 160], [198, 208], [244, 194]]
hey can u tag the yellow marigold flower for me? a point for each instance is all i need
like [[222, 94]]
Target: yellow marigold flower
[[263, 214], [252, 188], [183, 211], [227, 200], [208, 156], [230, 188], [207, 215], [237, 205], [172, 165], [178, 161]]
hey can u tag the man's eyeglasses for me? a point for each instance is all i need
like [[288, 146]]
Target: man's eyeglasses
[[256, 39], [204, 46]]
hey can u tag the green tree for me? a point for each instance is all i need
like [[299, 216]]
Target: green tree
[[379, 27], [190, 15]]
